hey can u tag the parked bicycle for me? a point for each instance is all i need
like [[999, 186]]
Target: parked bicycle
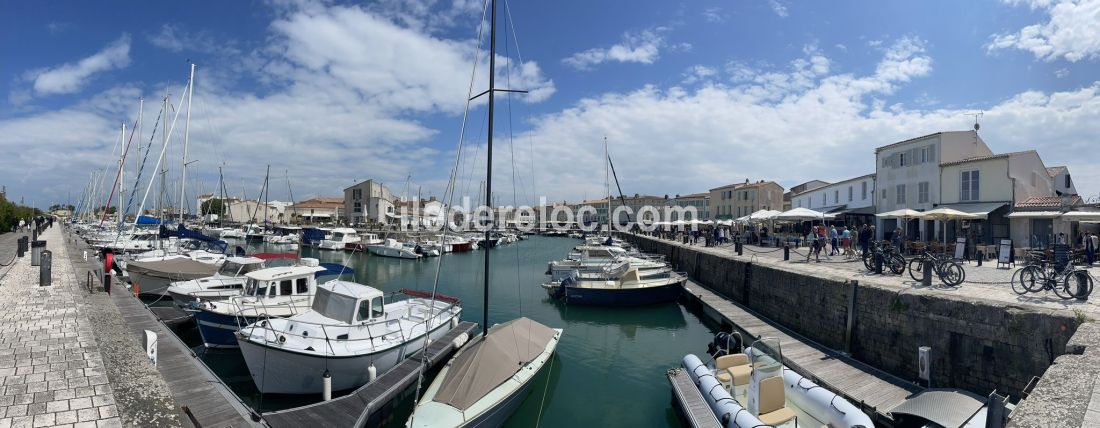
[[891, 257], [1041, 274], [949, 272]]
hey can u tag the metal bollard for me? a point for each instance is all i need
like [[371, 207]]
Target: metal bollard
[[36, 252], [981, 255], [787, 252], [45, 268], [926, 280], [878, 263], [21, 247], [739, 249]]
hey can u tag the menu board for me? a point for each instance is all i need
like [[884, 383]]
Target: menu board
[[960, 247], [1004, 253]]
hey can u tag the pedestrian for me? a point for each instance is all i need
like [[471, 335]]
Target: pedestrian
[[846, 241], [1090, 247], [833, 241], [897, 239]]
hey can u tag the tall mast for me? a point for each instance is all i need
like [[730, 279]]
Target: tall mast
[[121, 173], [186, 129], [489, 161], [607, 183], [267, 193]]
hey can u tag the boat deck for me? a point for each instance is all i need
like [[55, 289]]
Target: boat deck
[[354, 409], [207, 400], [874, 391], [693, 407]]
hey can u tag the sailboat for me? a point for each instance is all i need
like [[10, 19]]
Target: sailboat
[[486, 381]]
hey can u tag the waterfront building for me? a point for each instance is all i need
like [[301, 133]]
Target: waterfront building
[[907, 174], [809, 185], [853, 200], [425, 213], [699, 201], [317, 210], [635, 203], [368, 202], [738, 200]]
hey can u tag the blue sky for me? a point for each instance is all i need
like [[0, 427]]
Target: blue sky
[[690, 95]]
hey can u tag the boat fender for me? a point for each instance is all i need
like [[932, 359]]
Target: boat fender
[[461, 340], [372, 373], [282, 339], [454, 322]]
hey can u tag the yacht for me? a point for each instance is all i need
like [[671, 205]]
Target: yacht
[[391, 248], [227, 282], [350, 331], [151, 276], [623, 286], [339, 238], [268, 293], [365, 240]]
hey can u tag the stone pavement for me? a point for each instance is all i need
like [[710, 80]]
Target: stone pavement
[[50, 361], [987, 282]]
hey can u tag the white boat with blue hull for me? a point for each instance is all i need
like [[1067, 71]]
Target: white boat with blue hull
[[268, 293], [627, 289], [353, 332]]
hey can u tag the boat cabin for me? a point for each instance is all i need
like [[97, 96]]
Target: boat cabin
[[299, 280], [237, 266], [343, 234], [349, 302]]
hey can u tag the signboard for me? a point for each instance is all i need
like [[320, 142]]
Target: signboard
[[960, 247], [1004, 253]]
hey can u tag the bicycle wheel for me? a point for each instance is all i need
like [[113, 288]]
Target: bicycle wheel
[[1032, 278], [952, 274], [869, 262], [916, 268], [897, 264], [1018, 285], [1074, 283]]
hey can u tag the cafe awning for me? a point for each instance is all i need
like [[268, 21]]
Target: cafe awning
[[855, 211], [1081, 216], [1035, 214], [979, 210]]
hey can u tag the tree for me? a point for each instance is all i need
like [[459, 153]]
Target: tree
[[212, 206]]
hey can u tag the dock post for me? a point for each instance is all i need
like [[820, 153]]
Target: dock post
[[787, 252], [926, 280], [327, 379]]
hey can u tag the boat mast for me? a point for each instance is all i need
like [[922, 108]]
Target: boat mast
[[121, 174], [186, 129], [489, 161], [607, 185]]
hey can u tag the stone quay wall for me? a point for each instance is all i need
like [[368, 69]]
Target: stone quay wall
[[976, 345]]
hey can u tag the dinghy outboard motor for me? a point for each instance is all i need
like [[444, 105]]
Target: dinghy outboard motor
[[724, 343]]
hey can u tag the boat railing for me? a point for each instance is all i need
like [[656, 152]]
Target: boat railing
[[435, 318]]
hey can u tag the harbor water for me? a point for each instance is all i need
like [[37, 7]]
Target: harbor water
[[610, 364]]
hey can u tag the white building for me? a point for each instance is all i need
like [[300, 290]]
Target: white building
[[369, 202], [907, 173], [853, 198]]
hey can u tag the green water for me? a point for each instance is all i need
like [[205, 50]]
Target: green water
[[610, 363]]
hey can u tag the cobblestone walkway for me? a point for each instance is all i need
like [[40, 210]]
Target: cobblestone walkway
[[52, 369]]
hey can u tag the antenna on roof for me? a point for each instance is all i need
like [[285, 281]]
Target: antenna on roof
[[977, 115]]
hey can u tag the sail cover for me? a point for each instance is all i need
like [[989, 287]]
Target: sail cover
[[489, 362], [177, 268]]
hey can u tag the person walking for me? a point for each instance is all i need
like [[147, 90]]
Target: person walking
[[833, 241], [846, 241], [1090, 247]]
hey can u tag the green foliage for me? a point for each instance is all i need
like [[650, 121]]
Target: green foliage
[[897, 306], [10, 213], [212, 206]]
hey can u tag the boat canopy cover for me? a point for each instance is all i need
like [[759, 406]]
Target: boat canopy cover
[[146, 220], [946, 407], [489, 362], [173, 268], [311, 235], [213, 243], [334, 269]]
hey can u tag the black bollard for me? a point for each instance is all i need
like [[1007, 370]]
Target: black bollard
[[878, 263], [926, 280], [787, 252], [739, 249], [981, 255]]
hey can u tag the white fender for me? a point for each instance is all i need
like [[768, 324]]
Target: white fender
[[728, 411]]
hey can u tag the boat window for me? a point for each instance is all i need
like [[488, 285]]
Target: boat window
[[271, 288], [302, 286], [286, 287], [333, 305], [364, 311], [377, 310], [230, 269]]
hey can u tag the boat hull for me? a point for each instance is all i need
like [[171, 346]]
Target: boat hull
[[618, 297], [384, 251], [460, 248], [278, 371], [219, 330], [150, 285]]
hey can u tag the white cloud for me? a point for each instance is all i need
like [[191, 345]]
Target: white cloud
[[1061, 72], [714, 14], [72, 77], [778, 8], [175, 38], [791, 125], [642, 47], [698, 73], [344, 93], [1072, 31]]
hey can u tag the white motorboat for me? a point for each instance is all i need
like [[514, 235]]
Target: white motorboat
[[392, 248], [624, 286], [648, 267], [152, 276], [351, 330], [753, 389], [488, 378], [226, 283], [232, 233], [339, 239], [268, 293]]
